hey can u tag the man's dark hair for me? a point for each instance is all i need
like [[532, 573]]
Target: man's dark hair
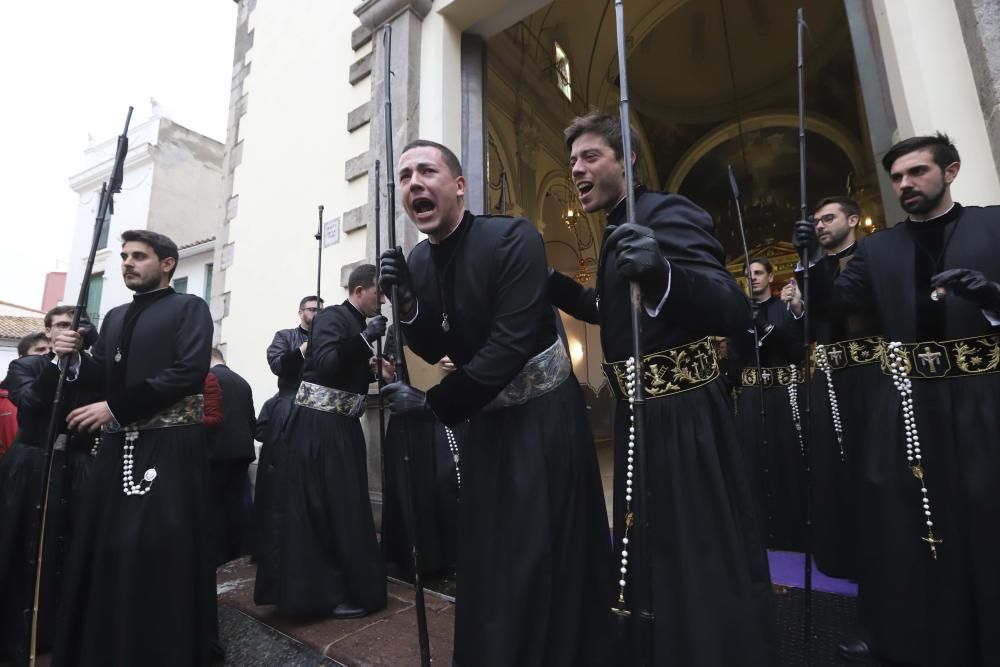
[[763, 261], [26, 342], [939, 144], [56, 312], [450, 159], [216, 352], [607, 126], [846, 204], [163, 246], [307, 299], [362, 276]]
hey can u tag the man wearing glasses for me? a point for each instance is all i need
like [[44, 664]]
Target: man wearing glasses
[[288, 348]]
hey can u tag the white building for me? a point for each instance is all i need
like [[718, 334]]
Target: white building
[[172, 185]]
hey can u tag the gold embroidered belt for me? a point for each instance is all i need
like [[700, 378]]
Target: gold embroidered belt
[[670, 371], [189, 410], [950, 358], [328, 399], [853, 352], [544, 372], [776, 376]]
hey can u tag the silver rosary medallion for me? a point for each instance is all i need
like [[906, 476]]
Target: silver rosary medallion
[[445, 326]]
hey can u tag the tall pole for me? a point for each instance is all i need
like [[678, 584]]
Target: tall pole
[[407, 499], [806, 347], [319, 255], [642, 598], [378, 341], [108, 190], [753, 325]]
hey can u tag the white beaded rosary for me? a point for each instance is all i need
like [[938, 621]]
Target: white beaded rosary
[[630, 468], [793, 401], [897, 366], [129, 487], [453, 446], [824, 365]]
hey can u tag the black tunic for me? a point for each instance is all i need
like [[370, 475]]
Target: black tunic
[[710, 583], [140, 585], [836, 466], [433, 485], [286, 360], [231, 450], [533, 556], [320, 548], [774, 455], [920, 610], [31, 381]]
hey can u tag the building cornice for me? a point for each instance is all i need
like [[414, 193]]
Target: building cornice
[[92, 177], [374, 13]]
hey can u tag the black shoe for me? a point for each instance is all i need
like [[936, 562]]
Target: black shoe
[[856, 650], [348, 610]]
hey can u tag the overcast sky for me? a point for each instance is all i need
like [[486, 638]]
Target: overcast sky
[[70, 68]]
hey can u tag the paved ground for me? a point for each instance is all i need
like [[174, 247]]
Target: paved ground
[[255, 636], [387, 638]]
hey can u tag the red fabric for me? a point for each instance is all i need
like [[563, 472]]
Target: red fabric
[[8, 422], [213, 403]]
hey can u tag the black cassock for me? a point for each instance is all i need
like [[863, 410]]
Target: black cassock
[[31, 381], [533, 547], [918, 609], [286, 361], [321, 549], [835, 465], [433, 486], [774, 456], [140, 582], [711, 587]]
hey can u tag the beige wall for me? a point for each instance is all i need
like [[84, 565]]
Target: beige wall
[[932, 87], [295, 144]]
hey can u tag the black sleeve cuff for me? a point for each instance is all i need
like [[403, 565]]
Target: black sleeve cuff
[[458, 397]]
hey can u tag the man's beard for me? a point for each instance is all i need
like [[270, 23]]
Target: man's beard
[[922, 204], [835, 240]]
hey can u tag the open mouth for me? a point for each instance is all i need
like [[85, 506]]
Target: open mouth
[[423, 207], [583, 187]]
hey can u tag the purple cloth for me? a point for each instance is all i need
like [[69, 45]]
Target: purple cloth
[[788, 569]]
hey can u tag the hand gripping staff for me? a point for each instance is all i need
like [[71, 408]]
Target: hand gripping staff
[[407, 499], [37, 532], [753, 325], [806, 343], [641, 612]]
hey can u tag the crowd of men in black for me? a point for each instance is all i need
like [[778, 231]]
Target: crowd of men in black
[[902, 440]]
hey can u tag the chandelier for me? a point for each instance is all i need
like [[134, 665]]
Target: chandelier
[[582, 276]]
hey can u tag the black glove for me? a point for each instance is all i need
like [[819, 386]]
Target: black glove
[[804, 237], [403, 399], [395, 273], [375, 328], [639, 259], [970, 284]]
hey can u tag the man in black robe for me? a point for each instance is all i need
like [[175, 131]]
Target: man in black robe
[[287, 351], [533, 553], [285, 357], [772, 445], [326, 559], [31, 381], [231, 450], [846, 365], [140, 582], [930, 463], [710, 585]]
